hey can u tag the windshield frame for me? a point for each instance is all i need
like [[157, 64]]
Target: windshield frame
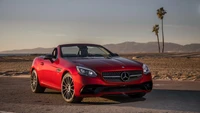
[[90, 45]]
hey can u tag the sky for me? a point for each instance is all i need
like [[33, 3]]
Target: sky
[[47, 23]]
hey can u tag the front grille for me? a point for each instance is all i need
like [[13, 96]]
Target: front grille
[[116, 76]]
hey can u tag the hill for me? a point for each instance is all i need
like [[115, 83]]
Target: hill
[[133, 47], [125, 47]]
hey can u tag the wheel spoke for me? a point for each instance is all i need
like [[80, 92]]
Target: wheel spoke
[[71, 84], [71, 81], [65, 82], [72, 90], [71, 93], [65, 92], [68, 95], [64, 89], [68, 80]]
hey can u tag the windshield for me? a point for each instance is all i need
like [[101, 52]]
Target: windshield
[[84, 51]]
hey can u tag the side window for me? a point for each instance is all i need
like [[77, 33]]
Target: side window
[[69, 51], [55, 53], [97, 50]]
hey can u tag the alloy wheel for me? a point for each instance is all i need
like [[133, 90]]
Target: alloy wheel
[[68, 88], [33, 81]]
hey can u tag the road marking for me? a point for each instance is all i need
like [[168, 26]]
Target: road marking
[[6, 112], [158, 84], [17, 76]]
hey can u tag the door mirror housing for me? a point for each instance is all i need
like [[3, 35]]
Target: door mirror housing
[[48, 57], [115, 54]]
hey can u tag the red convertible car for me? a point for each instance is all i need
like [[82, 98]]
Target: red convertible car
[[85, 70]]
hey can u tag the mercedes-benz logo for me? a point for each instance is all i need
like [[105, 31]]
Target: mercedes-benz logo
[[125, 76]]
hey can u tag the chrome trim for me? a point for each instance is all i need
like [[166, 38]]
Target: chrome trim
[[125, 76], [136, 75], [111, 76]]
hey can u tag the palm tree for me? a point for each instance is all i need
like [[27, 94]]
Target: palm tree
[[156, 29], [160, 13]]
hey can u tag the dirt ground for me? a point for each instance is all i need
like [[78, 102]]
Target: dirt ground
[[168, 66]]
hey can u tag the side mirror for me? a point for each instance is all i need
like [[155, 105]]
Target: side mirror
[[115, 54], [48, 57]]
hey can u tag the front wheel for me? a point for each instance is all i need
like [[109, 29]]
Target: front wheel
[[67, 89], [35, 85], [137, 95]]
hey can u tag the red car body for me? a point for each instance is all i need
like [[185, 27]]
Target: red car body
[[50, 74]]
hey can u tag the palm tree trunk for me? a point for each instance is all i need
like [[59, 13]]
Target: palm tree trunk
[[158, 43], [163, 42]]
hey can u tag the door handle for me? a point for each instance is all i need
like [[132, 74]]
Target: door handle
[[41, 63]]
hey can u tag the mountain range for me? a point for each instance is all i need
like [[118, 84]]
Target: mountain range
[[123, 48]]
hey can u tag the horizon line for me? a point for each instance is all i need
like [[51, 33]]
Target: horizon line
[[96, 43]]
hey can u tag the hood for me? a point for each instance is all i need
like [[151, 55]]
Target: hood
[[102, 64]]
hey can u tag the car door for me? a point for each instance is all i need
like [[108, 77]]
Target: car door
[[47, 72], [49, 69], [57, 71]]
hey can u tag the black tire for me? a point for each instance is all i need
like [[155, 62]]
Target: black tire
[[35, 85], [67, 90], [137, 95]]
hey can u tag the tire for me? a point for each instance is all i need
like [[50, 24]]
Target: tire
[[35, 85], [67, 90], [137, 95]]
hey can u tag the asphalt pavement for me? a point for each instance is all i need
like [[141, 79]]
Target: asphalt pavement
[[167, 96]]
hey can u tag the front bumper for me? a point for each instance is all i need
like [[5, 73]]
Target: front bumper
[[97, 89], [97, 86]]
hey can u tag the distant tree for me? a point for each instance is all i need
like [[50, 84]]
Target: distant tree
[[156, 30], [160, 13]]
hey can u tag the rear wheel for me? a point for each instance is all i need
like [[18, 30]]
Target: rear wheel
[[35, 85], [137, 95], [67, 90]]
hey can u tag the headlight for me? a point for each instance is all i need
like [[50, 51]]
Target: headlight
[[86, 71], [145, 69]]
